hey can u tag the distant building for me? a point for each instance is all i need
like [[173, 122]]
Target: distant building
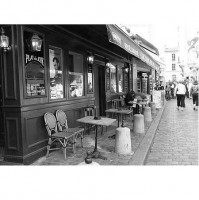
[[173, 69]]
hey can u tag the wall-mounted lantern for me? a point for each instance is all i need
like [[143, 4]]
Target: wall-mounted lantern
[[4, 41], [35, 43], [90, 59]]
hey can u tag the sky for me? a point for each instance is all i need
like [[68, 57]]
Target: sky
[[166, 35]]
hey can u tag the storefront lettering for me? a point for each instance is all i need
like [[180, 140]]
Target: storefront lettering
[[116, 38], [130, 49], [30, 58]]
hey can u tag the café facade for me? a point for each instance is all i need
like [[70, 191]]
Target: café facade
[[67, 67]]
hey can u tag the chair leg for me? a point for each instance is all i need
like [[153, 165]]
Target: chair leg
[[64, 149], [82, 136], [48, 147], [102, 130], [74, 144]]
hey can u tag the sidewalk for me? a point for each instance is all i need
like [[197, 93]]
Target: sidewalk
[[176, 140], [140, 145]]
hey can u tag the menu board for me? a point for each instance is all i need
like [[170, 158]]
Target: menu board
[[90, 79], [107, 78], [126, 81], [151, 84], [138, 85], [144, 85]]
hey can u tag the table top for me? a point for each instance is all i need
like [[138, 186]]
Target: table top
[[122, 111], [116, 100], [104, 121], [133, 102]]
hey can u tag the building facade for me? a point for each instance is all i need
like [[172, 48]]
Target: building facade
[[173, 71], [70, 68]]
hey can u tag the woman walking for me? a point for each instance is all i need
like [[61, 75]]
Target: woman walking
[[180, 94], [194, 93]]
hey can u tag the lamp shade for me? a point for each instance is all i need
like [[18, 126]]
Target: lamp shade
[[90, 59], [36, 43], [4, 41]]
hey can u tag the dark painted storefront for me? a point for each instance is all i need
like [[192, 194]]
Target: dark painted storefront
[[58, 76]]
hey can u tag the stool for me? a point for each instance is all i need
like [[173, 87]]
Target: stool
[[153, 108], [123, 141], [147, 114], [138, 125]]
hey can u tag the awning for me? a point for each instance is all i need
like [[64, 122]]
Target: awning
[[118, 37]]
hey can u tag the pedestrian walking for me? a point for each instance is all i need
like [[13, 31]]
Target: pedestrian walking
[[194, 93], [180, 94], [189, 88], [168, 92], [172, 90]]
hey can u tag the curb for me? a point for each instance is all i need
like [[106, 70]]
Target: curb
[[141, 153]]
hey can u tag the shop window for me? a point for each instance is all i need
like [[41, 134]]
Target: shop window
[[56, 73], [34, 68], [90, 78], [107, 79], [120, 80], [113, 79], [76, 75]]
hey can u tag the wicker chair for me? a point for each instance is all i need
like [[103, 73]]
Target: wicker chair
[[54, 136], [63, 126]]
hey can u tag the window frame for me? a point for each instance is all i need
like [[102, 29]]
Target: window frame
[[32, 31], [173, 66], [63, 72], [83, 75]]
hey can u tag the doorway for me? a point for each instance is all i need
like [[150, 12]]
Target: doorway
[[1, 116], [99, 88]]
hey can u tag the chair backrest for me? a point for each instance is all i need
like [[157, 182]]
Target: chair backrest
[[122, 101], [61, 120], [115, 103], [89, 111], [50, 123]]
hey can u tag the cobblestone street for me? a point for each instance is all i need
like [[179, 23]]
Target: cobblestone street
[[176, 140]]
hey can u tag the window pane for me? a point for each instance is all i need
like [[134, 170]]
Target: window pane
[[113, 79], [76, 75], [56, 71], [120, 79], [34, 68], [76, 84]]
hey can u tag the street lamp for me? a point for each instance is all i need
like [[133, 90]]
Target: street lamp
[[35, 42], [4, 41]]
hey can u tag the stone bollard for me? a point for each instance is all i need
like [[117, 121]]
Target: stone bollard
[[153, 107], [138, 123], [147, 114], [123, 141]]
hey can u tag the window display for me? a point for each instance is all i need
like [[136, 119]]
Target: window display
[[120, 79], [56, 71], [113, 79], [76, 75], [107, 79], [90, 79], [34, 68]]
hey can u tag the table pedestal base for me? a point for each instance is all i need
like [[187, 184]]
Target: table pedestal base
[[96, 154]]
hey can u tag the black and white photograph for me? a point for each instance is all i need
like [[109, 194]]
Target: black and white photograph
[[112, 96]]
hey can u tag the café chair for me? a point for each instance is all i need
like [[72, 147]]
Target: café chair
[[63, 126], [54, 136], [89, 111]]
